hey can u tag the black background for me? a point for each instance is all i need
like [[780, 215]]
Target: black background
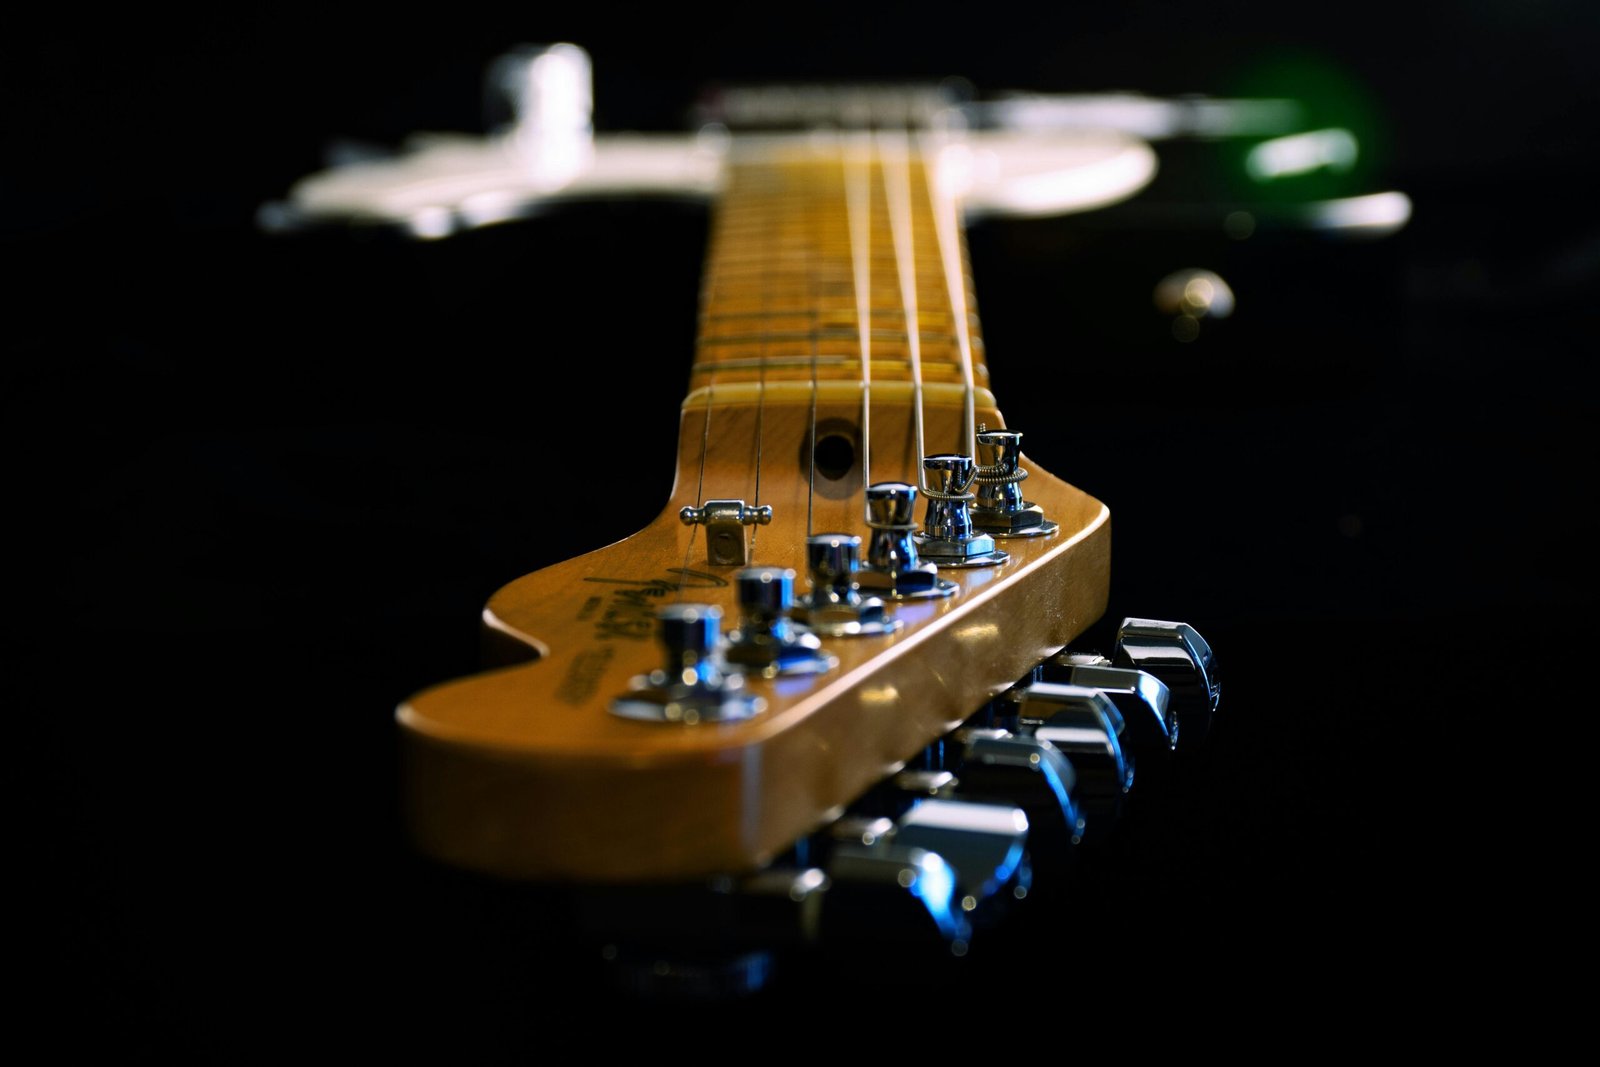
[[260, 488]]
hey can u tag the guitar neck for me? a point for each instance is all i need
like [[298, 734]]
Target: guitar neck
[[829, 360], [840, 263]]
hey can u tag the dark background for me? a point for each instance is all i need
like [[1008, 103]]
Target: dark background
[[261, 486]]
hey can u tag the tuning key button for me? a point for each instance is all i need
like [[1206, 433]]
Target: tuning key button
[[767, 642], [1150, 730], [1034, 775], [1084, 724], [835, 606], [691, 688], [1175, 653], [984, 843], [893, 891]]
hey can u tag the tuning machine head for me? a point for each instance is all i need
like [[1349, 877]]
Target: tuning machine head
[[893, 569], [1175, 653], [948, 538], [835, 606], [691, 688], [999, 509], [767, 641]]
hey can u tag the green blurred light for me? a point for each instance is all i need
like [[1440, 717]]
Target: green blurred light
[[1301, 153]]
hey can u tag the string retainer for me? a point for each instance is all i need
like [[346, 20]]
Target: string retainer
[[726, 523]]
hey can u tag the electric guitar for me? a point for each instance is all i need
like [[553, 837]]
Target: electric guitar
[[857, 560]]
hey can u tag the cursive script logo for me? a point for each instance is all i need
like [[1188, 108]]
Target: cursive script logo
[[629, 612]]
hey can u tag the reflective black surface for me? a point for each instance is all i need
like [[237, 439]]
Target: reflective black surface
[[262, 488]]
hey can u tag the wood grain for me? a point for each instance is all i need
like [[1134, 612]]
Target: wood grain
[[523, 772]]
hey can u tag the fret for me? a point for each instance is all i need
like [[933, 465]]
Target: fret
[[804, 313], [778, 297]]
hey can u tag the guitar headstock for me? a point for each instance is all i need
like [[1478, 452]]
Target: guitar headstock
[[839, 436]]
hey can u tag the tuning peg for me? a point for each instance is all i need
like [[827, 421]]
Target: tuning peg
[[1083, 723], [1150, 722], [892, 891], [893, 569], [1175, 653], [1035, 776], [835, 606], [1000, 509], [984, 843], [767, 642], [691, 688], [948, 538]]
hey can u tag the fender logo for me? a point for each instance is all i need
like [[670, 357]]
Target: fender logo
[[629, 613]]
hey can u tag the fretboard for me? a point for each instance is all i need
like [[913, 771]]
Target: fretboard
[[807, 246]]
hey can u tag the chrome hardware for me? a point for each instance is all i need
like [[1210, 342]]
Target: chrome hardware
[[835, 606], [948, 538], [1180, 657], [892, 570], [1188, 296], [767, 642], [982, 842], [861, 829], [892, 891], [1151, 722], [1084, 724], [725, 522], [1030, 773], [1000, 509], [925, 783], [691, 689]]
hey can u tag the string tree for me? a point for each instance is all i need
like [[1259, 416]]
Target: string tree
[[727, 523]]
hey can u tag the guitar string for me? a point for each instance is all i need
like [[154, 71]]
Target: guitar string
[[858, 212], [768, 241], [814, 248], [897, 199], [699, 493], [707, 297], [946, 231]]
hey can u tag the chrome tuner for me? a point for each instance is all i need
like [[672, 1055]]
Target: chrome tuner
[[1000, 509], [835, 606], [767, 642], [1175, 653], [893, 570], [691, 688], [1144, 700], [1085, 724], [948, 538], [725, 522]]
